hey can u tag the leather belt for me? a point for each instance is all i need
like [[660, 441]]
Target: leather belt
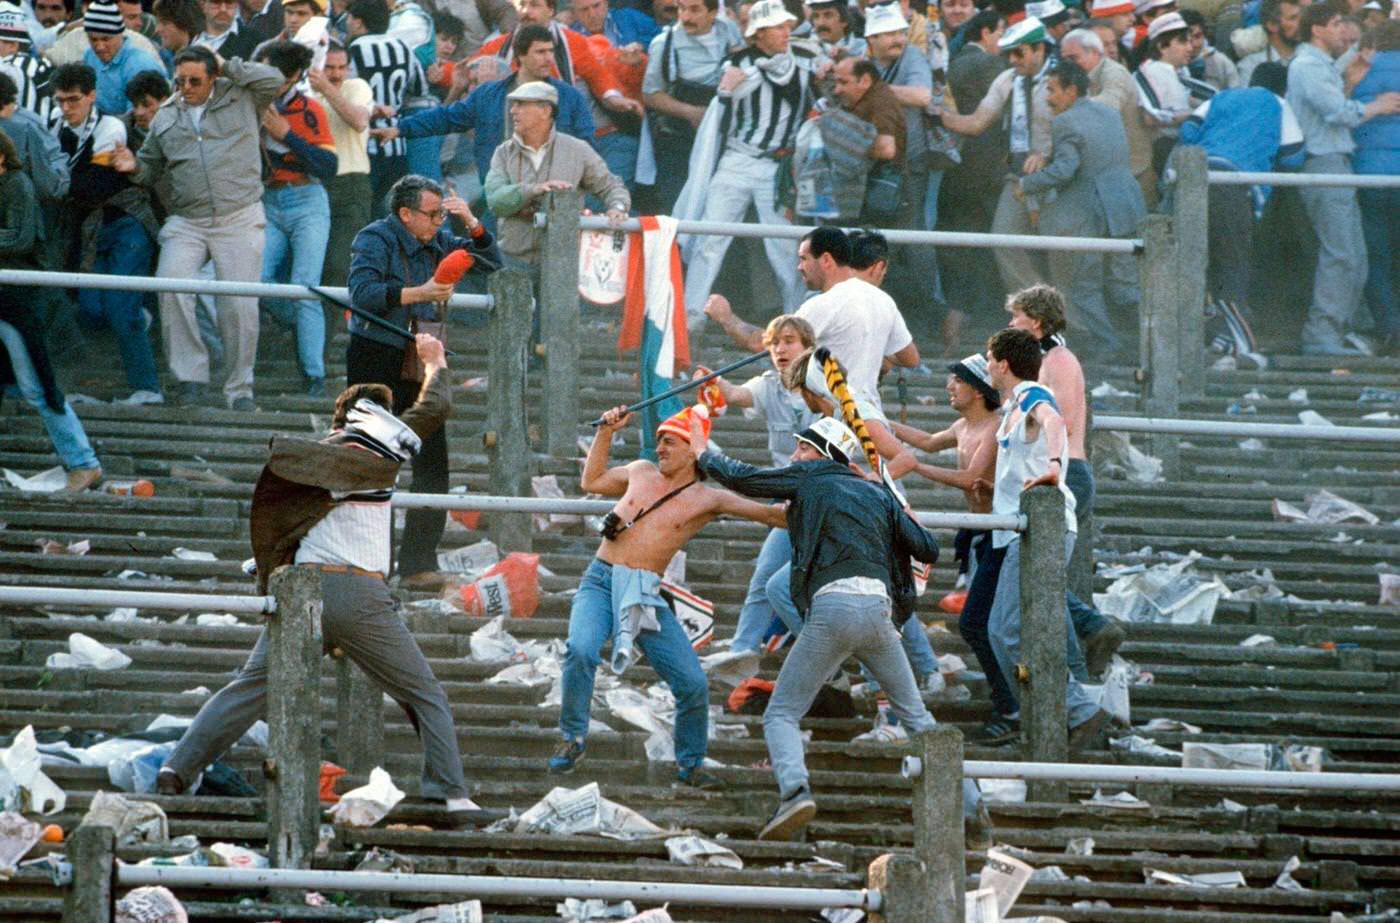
[[344, 569]]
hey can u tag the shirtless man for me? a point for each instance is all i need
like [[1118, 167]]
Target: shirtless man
[[619, 598], [1040, 311]]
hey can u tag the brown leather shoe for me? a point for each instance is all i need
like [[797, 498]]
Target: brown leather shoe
[[1090, 732], [80, 479], [1100, 647]]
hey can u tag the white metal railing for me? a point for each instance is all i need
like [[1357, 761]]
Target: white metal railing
[[1259, 430], [658, 892], [192, 286], [892, 235], [1357, 180], [1173, 775], [140, 599]]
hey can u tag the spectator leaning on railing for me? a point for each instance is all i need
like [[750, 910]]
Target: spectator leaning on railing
[[205, 144]]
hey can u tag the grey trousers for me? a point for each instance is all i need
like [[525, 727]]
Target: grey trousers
[[360, 618], [838, 626], [1341, 255]]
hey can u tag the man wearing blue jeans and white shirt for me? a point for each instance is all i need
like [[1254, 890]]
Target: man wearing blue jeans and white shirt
[[1032, 450], [619, 598], [852, 542]]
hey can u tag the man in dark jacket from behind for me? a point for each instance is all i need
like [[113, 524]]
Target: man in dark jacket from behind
[[852, 541]]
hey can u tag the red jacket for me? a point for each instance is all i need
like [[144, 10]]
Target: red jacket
[[574, 59]]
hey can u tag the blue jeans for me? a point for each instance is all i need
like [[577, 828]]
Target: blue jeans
[[65, 432], [124, 249], [916, 646], [668, 651], [1380, 223], [757, 613], [1088, 621], [841, 625], [972, 623], [298, 226], [1004, 631]]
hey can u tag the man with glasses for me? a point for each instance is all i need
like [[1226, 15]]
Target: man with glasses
[[392, 261], [222, 34]]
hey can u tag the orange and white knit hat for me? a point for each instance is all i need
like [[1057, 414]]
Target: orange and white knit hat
[[679, 424]]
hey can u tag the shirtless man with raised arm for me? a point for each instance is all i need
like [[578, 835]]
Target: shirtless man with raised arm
[[619, 598]]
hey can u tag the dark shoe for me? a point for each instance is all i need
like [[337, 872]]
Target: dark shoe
[[426, 580], [243, 405], [978, 830], [699, 777], [998, 731], [474, 819], [1089, 733], [168, 783], [792, 816], [1100, 647], [80, 479], [566, 756], [315, 387], [189, 394]]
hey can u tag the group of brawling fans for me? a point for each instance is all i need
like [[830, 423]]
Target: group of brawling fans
[[836, 570]]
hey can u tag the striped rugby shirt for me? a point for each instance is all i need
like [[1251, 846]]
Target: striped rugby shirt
[[394, 75]]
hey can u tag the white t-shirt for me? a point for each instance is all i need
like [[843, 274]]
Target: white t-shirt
[[861, 325]]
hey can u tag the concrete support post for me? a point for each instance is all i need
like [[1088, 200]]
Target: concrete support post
[[559, 320], [1189, 221], [938, 826], [359, 718], [1081, 563], [293, 767], [92, 852], [506, 439], [1160, 335], [1043, 671], [901, 881]]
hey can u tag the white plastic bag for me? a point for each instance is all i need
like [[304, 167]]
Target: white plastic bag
[[23, 786], [85, 652], [367, 805]]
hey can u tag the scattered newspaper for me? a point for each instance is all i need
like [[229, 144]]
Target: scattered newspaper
[[1198, 880], [464, 912], [1121, 801], [695, 850], [1005, 876], [17, 837], [367, 805], [585, 811], [1324, 507], [1164, 593], [593, 910]]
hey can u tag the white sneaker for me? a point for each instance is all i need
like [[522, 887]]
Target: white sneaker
[[138, 398]]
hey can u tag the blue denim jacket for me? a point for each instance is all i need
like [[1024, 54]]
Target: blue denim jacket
[[484, 111], [385, 259], [841, 525]]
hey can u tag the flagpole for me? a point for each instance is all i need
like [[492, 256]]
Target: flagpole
[[693, 383]]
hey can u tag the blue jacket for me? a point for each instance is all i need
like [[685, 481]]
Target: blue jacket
[[385, 259], [624, 27], [484, 109], [113, 76], [841, 525], [1378, 139], [1244, 127]]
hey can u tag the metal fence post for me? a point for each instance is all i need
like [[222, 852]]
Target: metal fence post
[[1160, 334], [559, 320], [293, 768], [1043, 670], [359, 717], [507, 442], [92, 852], [1190, 222], [938, 825], [901, 881]]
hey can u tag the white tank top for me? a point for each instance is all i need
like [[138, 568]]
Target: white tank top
[[1019, 460]]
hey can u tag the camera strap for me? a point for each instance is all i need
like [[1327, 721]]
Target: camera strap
[[659, 503]]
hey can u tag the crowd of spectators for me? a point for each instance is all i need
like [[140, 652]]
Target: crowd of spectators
[[251, 140]]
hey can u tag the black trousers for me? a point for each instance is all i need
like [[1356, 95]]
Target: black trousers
[[367, 361]]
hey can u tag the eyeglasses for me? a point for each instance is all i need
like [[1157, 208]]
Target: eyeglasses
[[189, 81], [436, 216]]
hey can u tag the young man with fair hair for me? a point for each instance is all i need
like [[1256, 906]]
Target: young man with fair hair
[[662, 505]]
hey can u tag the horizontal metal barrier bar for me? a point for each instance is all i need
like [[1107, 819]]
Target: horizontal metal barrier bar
[[1358, 180], [191, 286], [140, 599], [477, 886], [1383, 434], [488, 504], [893, 235], [1216, 778]]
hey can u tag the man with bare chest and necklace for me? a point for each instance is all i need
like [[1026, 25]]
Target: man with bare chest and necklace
[[619, 598]]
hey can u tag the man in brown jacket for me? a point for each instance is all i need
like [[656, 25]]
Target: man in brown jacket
[[326, 505], [537, 160]]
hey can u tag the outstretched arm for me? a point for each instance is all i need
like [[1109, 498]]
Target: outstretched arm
[[730, 504], [1054, 427]]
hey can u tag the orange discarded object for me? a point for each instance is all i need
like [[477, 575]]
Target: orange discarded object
[[329, 773], [53, 833], [141, 488], [748, 689], [1328, 645], [511, 588], [953, 602], [471, 519]]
